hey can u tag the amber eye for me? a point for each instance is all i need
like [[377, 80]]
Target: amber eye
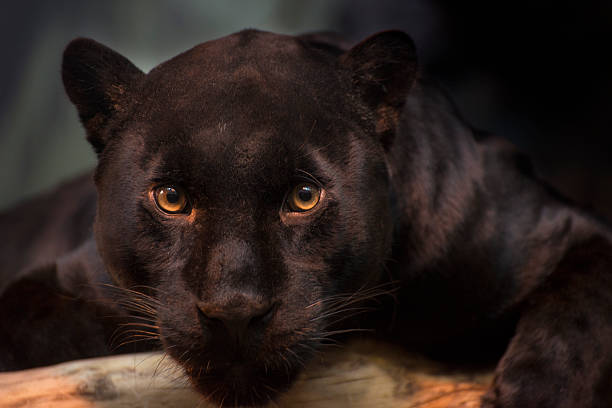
[[303, 197], [170, 199]]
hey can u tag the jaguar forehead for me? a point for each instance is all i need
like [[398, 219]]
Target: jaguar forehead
[[251, 76], [247, 54]]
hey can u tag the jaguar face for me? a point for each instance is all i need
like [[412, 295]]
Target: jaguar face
[[242, 188]]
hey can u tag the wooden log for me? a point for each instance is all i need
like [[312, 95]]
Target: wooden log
[[364, 374]]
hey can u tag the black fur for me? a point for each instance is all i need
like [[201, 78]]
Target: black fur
[[480, 259]]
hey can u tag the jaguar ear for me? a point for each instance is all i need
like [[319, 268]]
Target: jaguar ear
[[382, 70], [99, 82]]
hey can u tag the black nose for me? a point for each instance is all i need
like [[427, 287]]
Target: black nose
[[237, 318]]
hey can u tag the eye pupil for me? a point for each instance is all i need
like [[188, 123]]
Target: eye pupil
[[305, 194], [172, 195]]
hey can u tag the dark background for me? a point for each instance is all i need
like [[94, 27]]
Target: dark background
[[536, 72]]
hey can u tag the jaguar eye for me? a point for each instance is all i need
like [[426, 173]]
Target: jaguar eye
[[170, 199], [303, 197]]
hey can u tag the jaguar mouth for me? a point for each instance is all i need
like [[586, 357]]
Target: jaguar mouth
[[235, 384], [248, 370]]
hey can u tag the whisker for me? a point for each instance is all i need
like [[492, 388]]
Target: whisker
[[343, 318], [339, 311], [151, 288], [297, 358], [161, 360], [153, 334], [330, 333], [327, 342], [361, 294], [137, 307], [150, 326], [143, 318], [131, 342], [131, 291]]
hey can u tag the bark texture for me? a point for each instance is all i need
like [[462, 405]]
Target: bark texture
[[364, 374]]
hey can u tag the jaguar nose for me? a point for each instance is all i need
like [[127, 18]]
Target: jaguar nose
[[238, 320]]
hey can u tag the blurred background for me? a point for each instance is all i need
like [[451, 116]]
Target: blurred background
[[537, 72]]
